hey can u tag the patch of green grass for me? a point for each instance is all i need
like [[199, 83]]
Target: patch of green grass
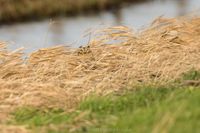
[[192, 75], [148, 109], [37, 117], [142, 97], [49, 120]]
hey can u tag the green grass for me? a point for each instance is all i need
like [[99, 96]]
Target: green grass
[[192, 75], [149, 109], [146, 110], [36, 117], [155, 109]]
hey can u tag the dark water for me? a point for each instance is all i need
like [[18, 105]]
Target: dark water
[[70, 30]]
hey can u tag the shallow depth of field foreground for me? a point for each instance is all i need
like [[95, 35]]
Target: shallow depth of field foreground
[[46, 91]]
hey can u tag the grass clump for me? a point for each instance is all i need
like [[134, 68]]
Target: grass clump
[[37, 117], [192, 75]]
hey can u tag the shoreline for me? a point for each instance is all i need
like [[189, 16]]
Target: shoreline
[[27, 10]]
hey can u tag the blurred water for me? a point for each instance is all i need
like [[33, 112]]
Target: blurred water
[[70, 30]]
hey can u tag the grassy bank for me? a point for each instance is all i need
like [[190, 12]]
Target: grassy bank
[[21, 10], [172, 108], [146, 81]]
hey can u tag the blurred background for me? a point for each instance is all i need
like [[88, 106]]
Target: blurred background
[[35, 24]]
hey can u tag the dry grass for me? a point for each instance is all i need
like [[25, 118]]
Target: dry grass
[[59, 77], [13, 129]]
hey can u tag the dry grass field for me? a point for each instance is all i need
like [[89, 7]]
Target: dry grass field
[[115, 60]]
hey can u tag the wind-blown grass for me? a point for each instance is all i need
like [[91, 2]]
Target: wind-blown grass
[[115, 61]]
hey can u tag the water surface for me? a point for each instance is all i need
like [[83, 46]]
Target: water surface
[[70, 30]]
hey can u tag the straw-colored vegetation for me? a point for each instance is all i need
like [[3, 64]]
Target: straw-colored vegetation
[[21, 10], [116, 60]]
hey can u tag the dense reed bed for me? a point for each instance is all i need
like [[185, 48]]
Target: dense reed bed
[[22, 10], [114, 60]]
